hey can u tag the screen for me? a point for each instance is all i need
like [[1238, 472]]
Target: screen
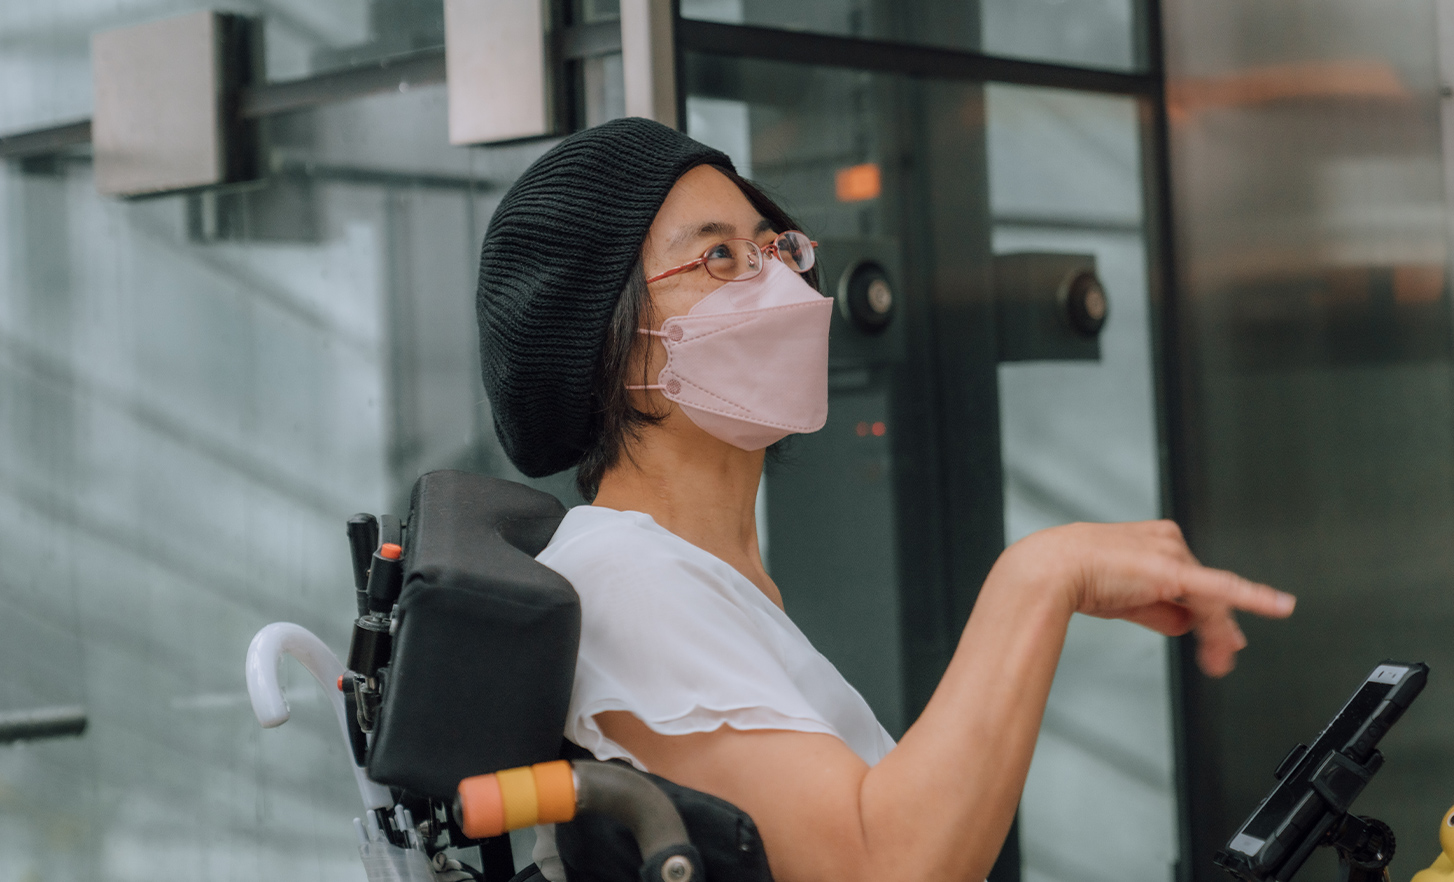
[[1272, 813]]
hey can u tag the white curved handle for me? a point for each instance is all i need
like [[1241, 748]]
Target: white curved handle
[[271, 707], [263, 657]]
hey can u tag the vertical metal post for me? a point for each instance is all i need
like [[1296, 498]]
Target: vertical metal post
[[649, 59], [1195, 786]]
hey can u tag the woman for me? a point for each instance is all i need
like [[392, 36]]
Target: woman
[[643, 318]]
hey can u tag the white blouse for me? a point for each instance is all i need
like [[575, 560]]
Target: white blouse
[[681, 640]]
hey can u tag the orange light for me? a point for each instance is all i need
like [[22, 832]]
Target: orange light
[[858, 182], [1337, 80], [862, 430], [1418, 283], [879, 429]]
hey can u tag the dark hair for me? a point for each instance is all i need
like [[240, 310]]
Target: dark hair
[[615, 422]]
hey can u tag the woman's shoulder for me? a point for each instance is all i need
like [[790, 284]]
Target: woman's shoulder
[[596, 547], [596, 535]]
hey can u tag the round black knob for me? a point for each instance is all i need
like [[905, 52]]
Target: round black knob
[[1083, 303], [866, 296]]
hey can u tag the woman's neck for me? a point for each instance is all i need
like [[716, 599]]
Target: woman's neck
[[702, 489]]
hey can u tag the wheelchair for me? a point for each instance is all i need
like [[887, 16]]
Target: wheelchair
[[453, 701]]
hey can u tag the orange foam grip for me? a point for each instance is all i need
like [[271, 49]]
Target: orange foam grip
[[517, 794], [555, 791], [481, 807]]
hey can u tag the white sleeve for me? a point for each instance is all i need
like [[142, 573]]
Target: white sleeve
[[670, 640]]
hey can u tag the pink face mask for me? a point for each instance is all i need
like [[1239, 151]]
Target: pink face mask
[[749, 362]]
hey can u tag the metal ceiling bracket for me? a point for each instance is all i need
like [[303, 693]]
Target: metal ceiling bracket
[[166, 94], [500, 70]]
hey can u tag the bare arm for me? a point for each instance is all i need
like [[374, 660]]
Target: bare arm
[[939, 805]]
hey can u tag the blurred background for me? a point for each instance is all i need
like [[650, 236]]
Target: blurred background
[[227, 325]]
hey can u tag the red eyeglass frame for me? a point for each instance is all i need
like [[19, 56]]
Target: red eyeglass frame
[[769, 250]]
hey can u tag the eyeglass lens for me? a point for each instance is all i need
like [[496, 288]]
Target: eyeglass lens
[[736, 260], [795, 250]]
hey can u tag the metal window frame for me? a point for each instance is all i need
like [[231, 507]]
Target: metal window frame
[[909, 59], [426, 67]]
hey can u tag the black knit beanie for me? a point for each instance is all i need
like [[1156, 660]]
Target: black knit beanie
[[556, 257]]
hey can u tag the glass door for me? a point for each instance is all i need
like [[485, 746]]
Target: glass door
[[880, 527]]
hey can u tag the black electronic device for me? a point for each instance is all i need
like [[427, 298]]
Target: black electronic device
[[1316, 786]]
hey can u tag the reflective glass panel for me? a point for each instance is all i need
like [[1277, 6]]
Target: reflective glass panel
[[797, 145], [46, 60], [195, 392], [1315, 387], [304, 37], [1080, 444], [1089, 33]]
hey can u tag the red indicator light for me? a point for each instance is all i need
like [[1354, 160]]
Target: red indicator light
[[862, 430], [879, 429]]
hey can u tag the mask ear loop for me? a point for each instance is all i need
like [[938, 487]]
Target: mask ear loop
[[649, 386]]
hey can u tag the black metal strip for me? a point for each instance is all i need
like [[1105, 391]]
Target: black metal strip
[[912, 59], [343, 174], [1058, 222], [41, 142], [41, 722], [1193, 767]]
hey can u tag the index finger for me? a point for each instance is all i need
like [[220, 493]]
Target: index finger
[[1223, 586]]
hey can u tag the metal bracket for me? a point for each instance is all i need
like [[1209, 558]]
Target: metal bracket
[[501, 70], [166, 104]]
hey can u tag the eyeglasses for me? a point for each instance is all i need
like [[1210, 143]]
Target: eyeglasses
[[737, 260]]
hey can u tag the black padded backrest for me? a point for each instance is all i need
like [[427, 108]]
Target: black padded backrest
[[485, 652]]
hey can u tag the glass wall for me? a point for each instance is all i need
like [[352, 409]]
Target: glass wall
[[1315, 385], [195, 393]]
